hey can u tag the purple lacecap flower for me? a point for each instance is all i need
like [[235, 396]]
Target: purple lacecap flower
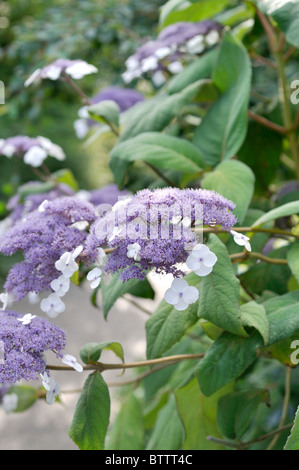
[[24, 346], [155, 221], [43, 237], [109, 194], [171, 45], [22, 145], [75, 69]]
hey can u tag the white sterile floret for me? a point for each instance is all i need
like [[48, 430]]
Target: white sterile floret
[[4, 297], [53, 72], [35, 156], [53, 391], [175, 67], [32, 77], [42, 206], [53, 149], [201, 260], [10, 402], [45, 380], [133, 251], [163, 52], [95, 276], [61, 285], [8, 150], [212, 37], [71, 361], [26, 319], [80, 69], [195, 45], [241, 239], [180, 294], [52, 305], [149, 63], [67, 264]]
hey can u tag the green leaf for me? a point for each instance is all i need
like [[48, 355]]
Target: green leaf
[[286, 210], [283, 316], [293, 439], [156, 113], [160, 150], [66, 176], [227, 179], [224, 127], [201, 68], [38, 188], [127, 430], [236, 411], [105, 111], [293, 259], [91, 419], [286, 15], [168, 430], [91, 352], [197, 12], [226, 359], [219, 292], [115, 288], [198, 414], [254, 315], [167, 326], [27, 396]]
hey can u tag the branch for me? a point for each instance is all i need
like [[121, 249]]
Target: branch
[[251, 254]]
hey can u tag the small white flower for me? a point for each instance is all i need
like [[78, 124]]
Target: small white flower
[[52, 149], [32, 77], [67, 264], [53, 392], [95, 276], [53, 72], [80, 69], [4, 298], [52, 305], [80, 225], [42, 206], [158, 78], [26, 319], [175, 67], [149, 63], [45, 380], [180, 294], [35, 156], [163, 52], [195, 45], [241, 239], [201, 260], [133, 251], [8, 150], [10, 402], [100, 257], [72, 362], [61, 285], [81, 128], [129, 75], [212, 38], [132, 63]]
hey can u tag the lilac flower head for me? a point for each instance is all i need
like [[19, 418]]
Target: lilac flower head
[[75, 69], [125, 98], [43, 237], [153, 230], [170, 48], [33, 150], [109, 194], [25, 345]]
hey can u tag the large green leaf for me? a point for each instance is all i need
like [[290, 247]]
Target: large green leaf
[[167, 326], [115, 288], [282, 211], [286, 14], [127, 430], [219, 292], [196, 11], [236, 410], [254, 315], [91, 352], [227, 179], [223, 129], [156, 113], [293, 439], [198, 414], [160, 150], [91, 419], [168, 430]]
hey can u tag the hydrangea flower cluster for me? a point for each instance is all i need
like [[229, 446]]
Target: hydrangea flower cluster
[[172, 46], [125, 98], [25, 344], [33, 150], [154, 229], [44, 236], [76, 69]]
